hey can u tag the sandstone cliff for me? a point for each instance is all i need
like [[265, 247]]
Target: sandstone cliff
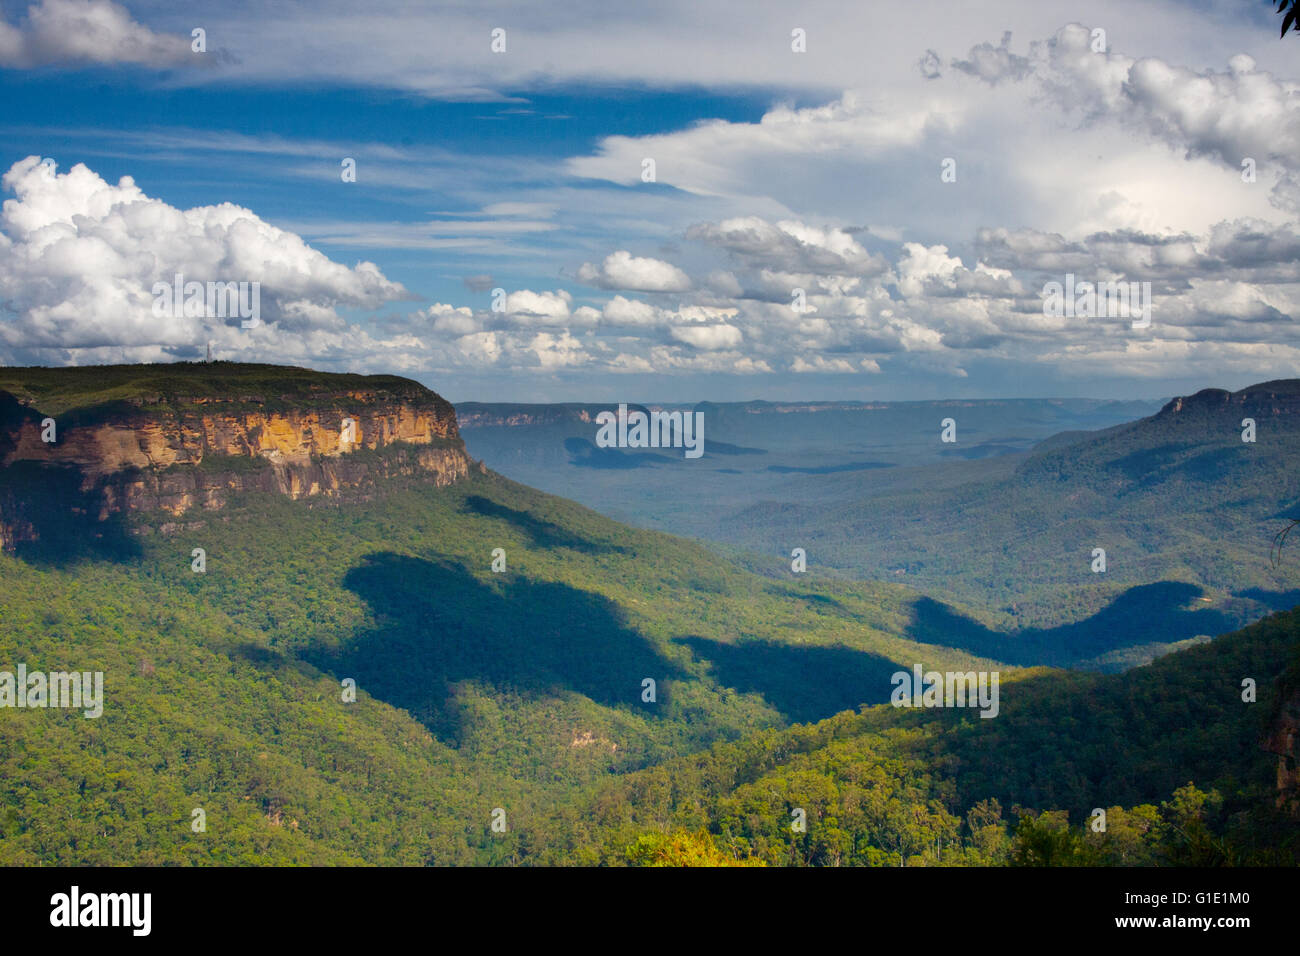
[[156, 449], [1266, 400], [1283, 741]]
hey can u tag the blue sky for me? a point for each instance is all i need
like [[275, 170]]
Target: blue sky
[[114, 124], [799, 240]]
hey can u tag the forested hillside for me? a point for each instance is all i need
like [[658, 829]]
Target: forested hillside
[[476, 689], [1188, 771], [452, 668], [1184, 509]]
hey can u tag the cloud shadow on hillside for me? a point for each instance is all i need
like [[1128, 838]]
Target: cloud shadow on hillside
[[804, 683], [60, 508], [437, 625], [544, 534], [1145, 614], [584, 454], [1273, 600]]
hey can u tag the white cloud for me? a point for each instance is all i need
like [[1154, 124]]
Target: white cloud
[[450, 320], [538, 308], [90, 32], [1108, 165], [931, 271], [1228, 115], [818, 363], [1059, 137], [620, 311], [994, 64], [528, 210], [622, 270], [557, 350], [722, 282], [710, 337], [442, 51], [789, 246], [79, 259]]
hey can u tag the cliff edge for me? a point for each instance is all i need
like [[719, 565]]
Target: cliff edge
[[108, 441]]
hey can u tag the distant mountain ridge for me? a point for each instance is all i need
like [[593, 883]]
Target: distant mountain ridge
[[1275, 397], [1200, 434], [518, 414], [1191, 495]]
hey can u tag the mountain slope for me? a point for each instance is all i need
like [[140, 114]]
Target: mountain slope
[[475, 689], [521, 689], [1184, 509], [896, 786]]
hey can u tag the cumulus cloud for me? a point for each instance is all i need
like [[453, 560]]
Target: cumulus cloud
[[1071, 160], [1057, 134], [1265, 251], [704, 327], [993, 64], [818, 363], [80, 258], [622, 270], [931, 271], [708, 337], [1246, 249], [621, 312], [1071, 144], [521, 309], [706, 158], [930, 310], [89, 32], [633, 313], [449, 319], [790, 246], [722, 282], [519, 349], [1229, 115], [527, 307]]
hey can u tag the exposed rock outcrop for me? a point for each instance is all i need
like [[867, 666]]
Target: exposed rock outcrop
[[165, 451], [1267, 400], [1283, 741]]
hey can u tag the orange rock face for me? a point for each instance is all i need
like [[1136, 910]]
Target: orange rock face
[[191, 454], [1283, 740], [292, 437]]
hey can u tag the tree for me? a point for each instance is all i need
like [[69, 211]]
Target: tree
[[681, 849], [1046, 839], [1280, 538], [1290, 21]]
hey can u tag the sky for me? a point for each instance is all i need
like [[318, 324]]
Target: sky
[[674, 201]]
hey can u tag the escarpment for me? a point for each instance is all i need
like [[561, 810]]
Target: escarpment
[[166, 441], [1283, 741], [1265, 400]]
